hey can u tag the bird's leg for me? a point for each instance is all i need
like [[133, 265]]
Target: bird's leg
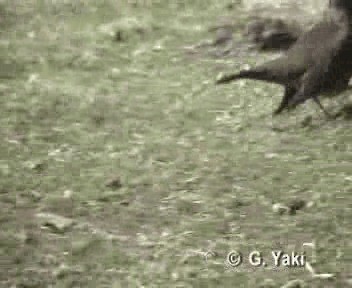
[[301, 97], [316, 100], [289, 91], [296, 99]]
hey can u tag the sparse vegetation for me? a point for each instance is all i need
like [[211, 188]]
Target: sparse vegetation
[[108, 121]]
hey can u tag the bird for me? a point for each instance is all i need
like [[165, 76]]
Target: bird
[[318, 63]]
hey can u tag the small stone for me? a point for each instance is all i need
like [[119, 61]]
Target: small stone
[[56, 222], [158, 47], [62, 271], [295, 284], [35, 195], [68, 194], [295, 205], [37, 166], [268, 283], [114, 183], [324, 276], [223, 36], [119, 37], [124, 202], [272, 155], [115, 72], [31, 34], [280, 209], [307, 121], [310, 204]]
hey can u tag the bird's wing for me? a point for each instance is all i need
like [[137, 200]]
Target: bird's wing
[[320, 42], [324, 40], [325, 61]]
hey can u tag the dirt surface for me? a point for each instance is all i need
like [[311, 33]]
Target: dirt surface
[[123, 165]]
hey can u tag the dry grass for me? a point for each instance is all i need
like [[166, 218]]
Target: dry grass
[[107, 120]]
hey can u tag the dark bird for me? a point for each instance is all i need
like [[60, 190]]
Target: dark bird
[[320, 61]]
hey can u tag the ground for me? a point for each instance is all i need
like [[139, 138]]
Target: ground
[[110, 119]]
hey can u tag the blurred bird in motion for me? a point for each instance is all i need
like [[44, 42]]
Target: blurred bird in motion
[[319, 63]]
